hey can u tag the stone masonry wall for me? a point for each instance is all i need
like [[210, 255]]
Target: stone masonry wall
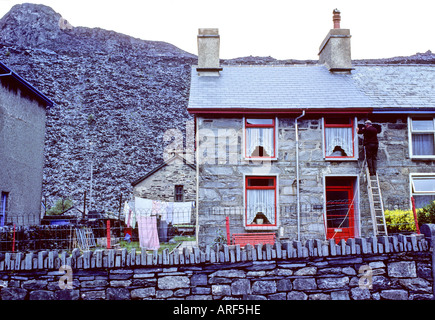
[[161, 184], [222, 169], [393, 268]]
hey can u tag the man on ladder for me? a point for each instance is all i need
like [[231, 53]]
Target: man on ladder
[[371, 145]]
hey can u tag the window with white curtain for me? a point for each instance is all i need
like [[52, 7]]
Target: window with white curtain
[[422, 137], [339, 137], [423, 189], [260, 138], [260, 201]]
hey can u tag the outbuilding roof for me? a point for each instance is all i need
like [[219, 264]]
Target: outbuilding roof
[[12, 79], [175, 157], [314, 87]]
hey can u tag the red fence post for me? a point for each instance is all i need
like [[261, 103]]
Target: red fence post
[[415, 215], [108, 234], [227, 222], [13, 240]]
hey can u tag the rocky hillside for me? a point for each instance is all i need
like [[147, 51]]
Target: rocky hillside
[[115, 97]]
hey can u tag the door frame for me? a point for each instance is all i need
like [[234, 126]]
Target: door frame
[[353, 188]]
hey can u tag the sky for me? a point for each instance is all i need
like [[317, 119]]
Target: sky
[[282, 29]]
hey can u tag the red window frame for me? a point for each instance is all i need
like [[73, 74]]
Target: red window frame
[[339, 125], [248, 187], [250, 125]]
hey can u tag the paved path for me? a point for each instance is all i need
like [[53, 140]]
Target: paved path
[[186, 244]]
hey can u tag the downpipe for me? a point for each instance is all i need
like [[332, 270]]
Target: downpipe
[[297, 175]]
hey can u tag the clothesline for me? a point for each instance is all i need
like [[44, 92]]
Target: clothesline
[[171, 212], [145, 213]]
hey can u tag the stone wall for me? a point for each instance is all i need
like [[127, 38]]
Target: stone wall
[[221, 180], [393, 268]]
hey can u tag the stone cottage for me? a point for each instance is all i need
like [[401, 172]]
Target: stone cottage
[[22, 136], [277, 147], [174, 180]]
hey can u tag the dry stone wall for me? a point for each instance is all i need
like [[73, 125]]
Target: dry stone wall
[[393, 268]]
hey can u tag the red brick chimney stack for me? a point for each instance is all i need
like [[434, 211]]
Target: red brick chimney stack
[[336, 18]]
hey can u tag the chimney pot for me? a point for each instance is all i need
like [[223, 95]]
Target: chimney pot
[[336, 17]]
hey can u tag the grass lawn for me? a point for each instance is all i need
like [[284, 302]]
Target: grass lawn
[[163, 245]]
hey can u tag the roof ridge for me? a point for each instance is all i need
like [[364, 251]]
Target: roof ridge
[[271, 65], [395, 65]]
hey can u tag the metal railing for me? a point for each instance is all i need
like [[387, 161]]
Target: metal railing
[[157, 230]]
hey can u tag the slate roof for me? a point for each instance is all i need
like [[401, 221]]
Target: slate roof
[[8, 75], [164, 164], [313, 86]]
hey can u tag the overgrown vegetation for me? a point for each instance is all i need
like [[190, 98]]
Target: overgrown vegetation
[[60, 207], [402, 221], [426, 214]]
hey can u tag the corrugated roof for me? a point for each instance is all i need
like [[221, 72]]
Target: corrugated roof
[[313, 86]]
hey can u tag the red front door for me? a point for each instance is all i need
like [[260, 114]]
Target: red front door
[[340, 216]]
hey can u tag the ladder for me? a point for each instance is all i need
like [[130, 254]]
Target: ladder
[[376, 204]]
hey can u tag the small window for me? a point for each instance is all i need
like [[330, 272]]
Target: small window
[[260, 201], [423, 189], [339, 138], [179, 193], [423, 137], [3, 207], [260, 138]]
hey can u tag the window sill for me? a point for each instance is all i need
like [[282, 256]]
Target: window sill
[[261, 159], [340, 159], [261, 227], [427, 158]]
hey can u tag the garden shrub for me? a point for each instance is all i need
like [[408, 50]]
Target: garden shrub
[[426, 214], [60, 207], [400, 221]]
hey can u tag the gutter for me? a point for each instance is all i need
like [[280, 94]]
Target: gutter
[[406, 111], [297, 175]]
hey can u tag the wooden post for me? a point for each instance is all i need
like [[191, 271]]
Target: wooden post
[[84, 205], [108, 233], [120, 206]]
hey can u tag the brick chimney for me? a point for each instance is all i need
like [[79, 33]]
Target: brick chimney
[[208, 52], [334, 52]]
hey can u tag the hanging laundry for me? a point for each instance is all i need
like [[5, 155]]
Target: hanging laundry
[[170, 212], [163, 210], [182, 212], [127, 237], [162, 224], [143, 206], [129, 214], [157, 204], [148, 236]]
